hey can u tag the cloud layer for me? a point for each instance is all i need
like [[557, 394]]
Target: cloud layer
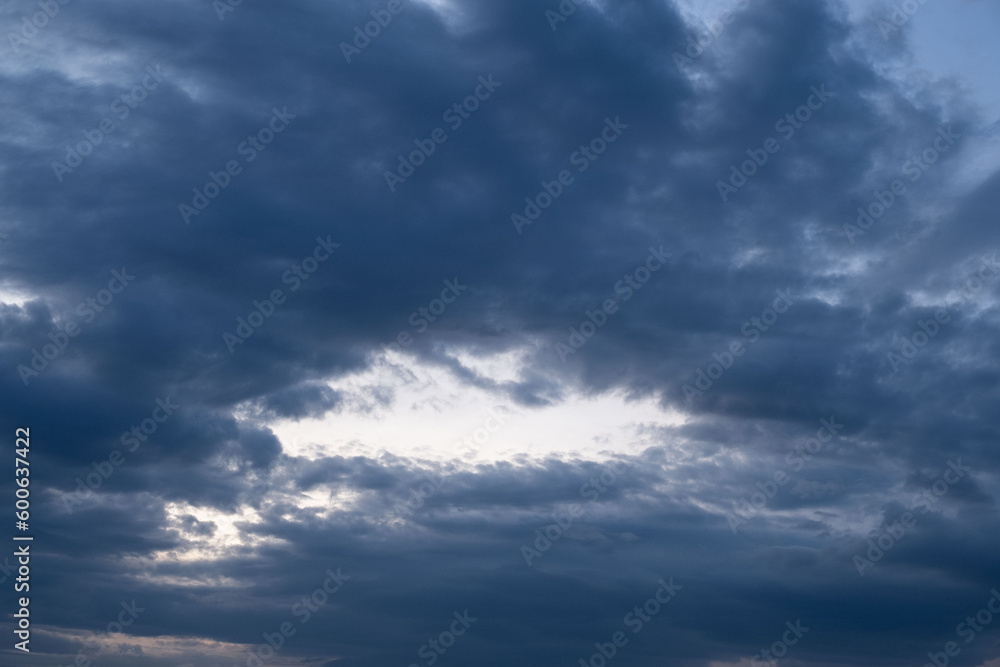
[[220, 222]]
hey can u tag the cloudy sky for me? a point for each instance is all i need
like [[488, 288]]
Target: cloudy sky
[[463, 332]]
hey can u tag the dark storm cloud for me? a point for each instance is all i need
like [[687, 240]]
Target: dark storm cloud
[[462, 550], [323, 177]]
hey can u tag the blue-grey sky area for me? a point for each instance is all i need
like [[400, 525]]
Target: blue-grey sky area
[[403, 333]]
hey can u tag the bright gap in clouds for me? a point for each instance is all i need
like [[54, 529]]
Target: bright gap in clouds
[[12, 296], [407, 407]]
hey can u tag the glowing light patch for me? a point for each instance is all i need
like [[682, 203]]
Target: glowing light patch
[[12, 296], [226, 538], [449, 13], [172, 649], [410, 408]]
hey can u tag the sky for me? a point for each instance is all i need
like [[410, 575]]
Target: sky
[[455, 332]]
